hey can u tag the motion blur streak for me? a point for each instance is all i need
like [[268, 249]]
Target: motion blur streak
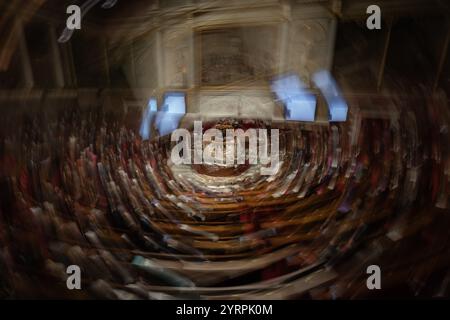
[[336, 104], [300, 105], [147, 119], [173, 110], [362, 177]]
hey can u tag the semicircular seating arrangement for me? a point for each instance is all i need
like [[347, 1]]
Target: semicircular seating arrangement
[[84, 189]]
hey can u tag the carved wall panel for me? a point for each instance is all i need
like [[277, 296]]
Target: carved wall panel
[[308, 46], [238, 55], [226, 105], [260, 105], [177, 56]]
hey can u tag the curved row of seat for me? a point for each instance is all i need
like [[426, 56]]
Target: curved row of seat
[[86, 190]]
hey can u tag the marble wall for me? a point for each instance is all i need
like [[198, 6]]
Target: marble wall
[[236, 48]]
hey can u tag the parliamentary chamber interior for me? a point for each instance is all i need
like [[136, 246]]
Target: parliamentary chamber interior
[[87, 170]]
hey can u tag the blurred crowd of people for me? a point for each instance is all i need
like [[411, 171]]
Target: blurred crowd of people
[[84, 189]]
